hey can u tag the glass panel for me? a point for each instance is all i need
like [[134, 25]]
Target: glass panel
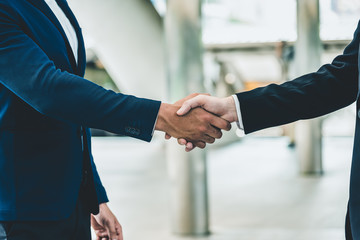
[[232, 21], [241, 21], [339, 18]]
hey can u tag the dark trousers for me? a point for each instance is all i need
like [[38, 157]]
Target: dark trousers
[[76, 227]]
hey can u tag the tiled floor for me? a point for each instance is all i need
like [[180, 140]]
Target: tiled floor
[[255, 191]]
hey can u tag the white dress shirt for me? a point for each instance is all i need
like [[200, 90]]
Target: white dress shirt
[[239, 123], [66, 25]]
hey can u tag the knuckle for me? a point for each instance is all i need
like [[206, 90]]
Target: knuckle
[[204, 119], [207, 117], [201, 97], [215, 132], [202, 129]]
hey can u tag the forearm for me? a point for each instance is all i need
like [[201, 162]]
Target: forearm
[[90, 105], [332, 87], [307, 97], [34, 78], [67, 97]]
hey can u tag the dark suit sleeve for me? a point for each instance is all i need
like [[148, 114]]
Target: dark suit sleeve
[[332, 87], [27, 71]]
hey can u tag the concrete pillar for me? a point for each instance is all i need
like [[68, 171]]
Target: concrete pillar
[[128, 38], [189, 203], [307, 57]]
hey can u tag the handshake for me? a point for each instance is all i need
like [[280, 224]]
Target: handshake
[[197, 119]]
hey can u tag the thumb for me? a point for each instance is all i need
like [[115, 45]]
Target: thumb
[[189, 104]]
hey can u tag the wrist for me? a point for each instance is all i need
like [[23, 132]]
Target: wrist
[[162, 123], [103, 206], [231, 109]]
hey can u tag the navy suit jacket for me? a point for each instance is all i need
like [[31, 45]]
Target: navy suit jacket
[[44, 102], [332, 87]]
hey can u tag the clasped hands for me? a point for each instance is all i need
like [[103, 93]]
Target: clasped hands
[[197, 119]]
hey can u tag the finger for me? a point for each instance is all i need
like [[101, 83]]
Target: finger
[[200, 144], [191, 103], [102, 236], [111, 229], [189, 147], [182, 141], [214, 132], [95, 225], [119, 230], [100, 232], [181, 101], [167, 136], [208, 139], [192, 95], [220, 123]]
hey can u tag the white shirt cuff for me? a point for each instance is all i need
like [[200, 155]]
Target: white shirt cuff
[[152, 134], [238, 112]]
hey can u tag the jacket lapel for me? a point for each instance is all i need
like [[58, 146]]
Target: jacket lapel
[[81, 49], [45, 9]]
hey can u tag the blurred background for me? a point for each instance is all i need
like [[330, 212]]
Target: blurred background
[[287, 182]]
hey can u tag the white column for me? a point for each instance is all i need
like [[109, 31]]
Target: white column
[[308, 55], [189, 204]]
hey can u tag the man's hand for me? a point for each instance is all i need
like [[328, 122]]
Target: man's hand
[[179, 103], [105, 224], [195, 126], [223, 107]]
